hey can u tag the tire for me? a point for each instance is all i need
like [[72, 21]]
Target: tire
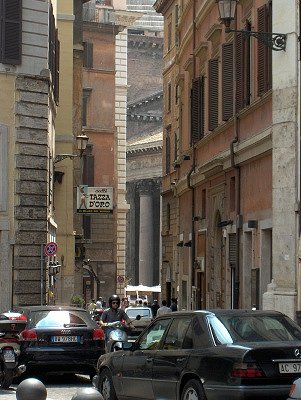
[[193, 390], [7, 378], [105, 385]]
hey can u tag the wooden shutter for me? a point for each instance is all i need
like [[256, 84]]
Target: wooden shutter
[[11, 31], [195, 96], [56, 70], [239, 47], [268, 50], [262, 51], [197, 109], [88, 170], [88, 55], [247, 67], [227, 81], [167, 152], [213, 94]]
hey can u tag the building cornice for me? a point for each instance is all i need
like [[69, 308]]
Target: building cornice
[[161, 6]]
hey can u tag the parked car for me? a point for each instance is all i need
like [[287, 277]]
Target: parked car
[[138, 325], [206, 355], [60, 339]]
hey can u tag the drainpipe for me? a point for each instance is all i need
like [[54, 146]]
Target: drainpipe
[[237, 180], [193, 157]]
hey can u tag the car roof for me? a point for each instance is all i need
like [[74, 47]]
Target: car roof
[[50, 308], [235, 312], [138, 308]]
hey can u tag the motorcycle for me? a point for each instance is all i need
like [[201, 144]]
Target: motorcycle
[[11, 324], [96, 314], [118, 333]]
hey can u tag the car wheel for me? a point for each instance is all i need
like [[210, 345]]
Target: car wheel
[[105, 385], [193, 390], [7, 379]]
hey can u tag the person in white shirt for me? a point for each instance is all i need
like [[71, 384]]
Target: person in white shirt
[[163, 309]]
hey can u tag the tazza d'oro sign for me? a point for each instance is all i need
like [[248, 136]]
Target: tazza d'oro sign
[[94, 199]]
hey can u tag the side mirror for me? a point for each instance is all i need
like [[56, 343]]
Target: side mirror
[[138, 317]]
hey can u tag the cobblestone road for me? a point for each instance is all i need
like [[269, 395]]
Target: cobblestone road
[[58, 387]]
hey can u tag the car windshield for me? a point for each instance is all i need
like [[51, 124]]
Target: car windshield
[[58, 318], [253, 328], [143, 312]]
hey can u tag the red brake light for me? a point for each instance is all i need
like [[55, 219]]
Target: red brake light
[[246, 370], [98, 334], [28, 335]]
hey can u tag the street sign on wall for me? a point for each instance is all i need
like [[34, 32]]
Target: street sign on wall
[[94, 199]]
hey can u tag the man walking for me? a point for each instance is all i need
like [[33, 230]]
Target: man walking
[[163, 309]]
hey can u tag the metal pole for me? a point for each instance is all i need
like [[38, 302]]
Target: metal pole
[[41, 271]]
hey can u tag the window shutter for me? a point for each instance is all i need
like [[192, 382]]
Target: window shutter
[[213, 94], [267, 49], [261, 51], [227, 81], [167, 153], [232, 249], [56, 83], [239, 72], [88, 55], [202, 107], [247, 67], [195, 97], [11, 31], [87, 226], [88, 172]]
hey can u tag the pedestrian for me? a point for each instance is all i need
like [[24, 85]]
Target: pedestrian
[[174, 306], [163, 309], [154, 307], [91, 306], [99, 303], [125, 303]]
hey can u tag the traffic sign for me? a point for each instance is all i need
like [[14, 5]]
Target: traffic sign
[[50, 249]]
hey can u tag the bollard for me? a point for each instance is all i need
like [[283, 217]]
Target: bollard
[[87, 394], [31, 389]]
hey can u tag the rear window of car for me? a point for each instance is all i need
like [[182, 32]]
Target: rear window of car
[[253, 328], [59, 318], [143, 312]]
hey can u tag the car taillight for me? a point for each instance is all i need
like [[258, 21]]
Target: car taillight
[[98, 334], [246, 370], [28, 335]]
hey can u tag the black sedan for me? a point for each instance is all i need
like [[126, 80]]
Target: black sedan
[[206, 355], [61, 340]]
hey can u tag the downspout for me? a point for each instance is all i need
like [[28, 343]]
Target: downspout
[[237, 180], [192, 169]]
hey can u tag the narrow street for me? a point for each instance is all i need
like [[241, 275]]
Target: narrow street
[[58, 387]]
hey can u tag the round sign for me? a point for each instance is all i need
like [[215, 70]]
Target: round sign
[[50, 249], [120, 279]]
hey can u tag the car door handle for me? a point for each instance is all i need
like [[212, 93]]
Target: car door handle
[[180, 360], [149, 360]]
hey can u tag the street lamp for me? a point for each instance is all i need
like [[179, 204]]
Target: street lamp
[[227, 10], [81, 144]]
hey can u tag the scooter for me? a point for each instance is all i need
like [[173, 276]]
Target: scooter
[[10, 327], [118, 334]]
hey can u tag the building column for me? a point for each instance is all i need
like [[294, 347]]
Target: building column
[[146, 240]]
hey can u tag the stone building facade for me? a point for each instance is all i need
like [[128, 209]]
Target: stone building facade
[[230, 188], [29, 96]]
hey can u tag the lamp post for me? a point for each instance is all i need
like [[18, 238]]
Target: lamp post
[[81, 144], [227, 10]]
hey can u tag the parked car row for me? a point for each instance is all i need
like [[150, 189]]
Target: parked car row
[[199, 355]]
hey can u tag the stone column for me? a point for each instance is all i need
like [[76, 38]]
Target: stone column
[[146, 240], [285, 159]]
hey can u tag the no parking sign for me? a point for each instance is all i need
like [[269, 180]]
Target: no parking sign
[[50, 249]]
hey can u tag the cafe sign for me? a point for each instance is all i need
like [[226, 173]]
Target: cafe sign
[[94, 199]]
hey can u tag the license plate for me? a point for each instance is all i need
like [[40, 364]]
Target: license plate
[[9, 356], [65, 339], [289, 368]]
